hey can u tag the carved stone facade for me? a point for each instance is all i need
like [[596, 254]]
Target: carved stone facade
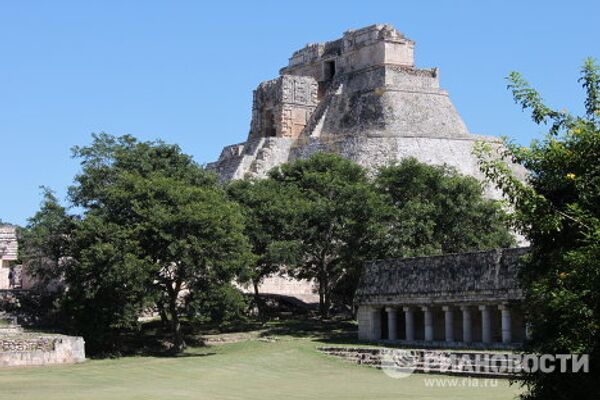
[[282, 107], [28, 349]]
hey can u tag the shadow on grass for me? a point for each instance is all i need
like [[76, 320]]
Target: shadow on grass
[[154, 339], [326, 331]]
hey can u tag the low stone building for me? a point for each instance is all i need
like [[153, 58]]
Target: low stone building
[[456, 300]]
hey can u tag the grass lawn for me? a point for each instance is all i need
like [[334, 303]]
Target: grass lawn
[[288, 368]]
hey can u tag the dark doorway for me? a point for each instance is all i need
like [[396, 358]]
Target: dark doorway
[[269, 123], [384, 324], [329, 70]]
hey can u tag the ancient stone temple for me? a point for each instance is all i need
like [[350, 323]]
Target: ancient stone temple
[[456, 300], [360, 96]]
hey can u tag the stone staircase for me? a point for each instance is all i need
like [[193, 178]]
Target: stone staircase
[[464, 363], [315, 119], [273, 152]]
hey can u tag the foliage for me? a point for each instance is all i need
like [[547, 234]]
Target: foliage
[[434, 210], [154, 224], [558, 209], [335, 218], [217, 303], [268, 209], [44, 242]]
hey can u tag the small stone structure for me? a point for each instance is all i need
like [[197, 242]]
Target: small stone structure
[[28, 349], [457, 300], [9, 248]]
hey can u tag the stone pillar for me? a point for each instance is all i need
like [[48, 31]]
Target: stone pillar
[[449, 323], [466, 324], [409, 318], [428, 318], [375, 323], [392, 323], [486, 324], [506, 323]]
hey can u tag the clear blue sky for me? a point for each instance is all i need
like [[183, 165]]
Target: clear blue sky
[[184, 71]]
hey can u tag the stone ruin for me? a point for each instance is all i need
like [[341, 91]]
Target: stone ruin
[[25, 349], [19, 348], [360, 96], [8, 256], [457, 300]]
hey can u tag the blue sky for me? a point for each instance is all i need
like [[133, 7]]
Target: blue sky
[[184, 71]]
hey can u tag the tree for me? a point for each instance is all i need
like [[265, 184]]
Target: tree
[[268, 209], [558, 210], [44, 242], [434, 210], [335, 216], [173, 227], [108, 283]]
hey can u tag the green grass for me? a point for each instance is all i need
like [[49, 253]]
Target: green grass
[[289, 368]]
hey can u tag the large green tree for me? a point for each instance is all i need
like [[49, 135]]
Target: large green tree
[[269, 211], [558, 210], [434, 210], [336, 215], [155, 225]]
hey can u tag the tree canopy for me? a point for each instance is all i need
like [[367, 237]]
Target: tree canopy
[[434, 210], [153, 226], [558, 210], [336, 213]]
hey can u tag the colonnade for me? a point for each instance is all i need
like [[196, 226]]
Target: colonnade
[[426, 328]]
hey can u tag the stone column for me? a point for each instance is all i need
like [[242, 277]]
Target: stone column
[[428, 317], [486, 324], [392, 323], [466, 324], [449, 323], [409, 318], [375, 323], [506, 323]]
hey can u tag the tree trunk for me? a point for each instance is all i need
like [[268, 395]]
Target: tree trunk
[[259, 302], [178, 342], [322, 311], [323, 297], [164, 318]]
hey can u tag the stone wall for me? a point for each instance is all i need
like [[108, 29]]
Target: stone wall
[[32, 350]]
